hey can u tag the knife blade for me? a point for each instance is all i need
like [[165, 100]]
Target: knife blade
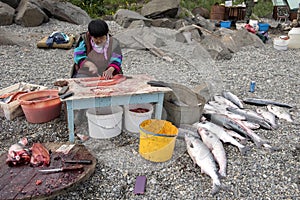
[[85, 162], [62, 169]]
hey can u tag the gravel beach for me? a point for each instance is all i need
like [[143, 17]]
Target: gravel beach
[[260, 174]]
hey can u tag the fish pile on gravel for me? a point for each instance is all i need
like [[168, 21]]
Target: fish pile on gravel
[[259, 174]]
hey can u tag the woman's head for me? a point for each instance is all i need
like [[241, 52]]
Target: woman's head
[[98, 28]]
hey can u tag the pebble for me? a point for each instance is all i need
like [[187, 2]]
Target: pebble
[[260, 175]]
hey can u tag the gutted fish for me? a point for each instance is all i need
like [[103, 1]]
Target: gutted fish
[[216, 147], [222, 135], [202, 156]]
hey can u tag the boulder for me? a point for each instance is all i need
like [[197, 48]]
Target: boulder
[[30, 15], [6, 14], [216, 49], [244, 38], [63, 10], [12, 3], [164, 23], [124, 17], [199, 11], [160, 9]]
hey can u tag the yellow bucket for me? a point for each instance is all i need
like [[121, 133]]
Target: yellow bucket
[[157, 140]]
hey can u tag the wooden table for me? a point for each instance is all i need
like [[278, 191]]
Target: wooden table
[[26, 182], [134, 90]]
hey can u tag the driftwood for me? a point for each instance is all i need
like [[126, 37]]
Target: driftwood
[[205, 30], [156, 51]]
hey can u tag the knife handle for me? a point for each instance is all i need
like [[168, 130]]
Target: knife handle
[[86, 162], [72, 167]]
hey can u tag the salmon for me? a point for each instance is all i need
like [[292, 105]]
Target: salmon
[[222, 135], [202, 156], [216, 147]]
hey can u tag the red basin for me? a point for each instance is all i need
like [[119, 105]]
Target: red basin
[[40, 106]]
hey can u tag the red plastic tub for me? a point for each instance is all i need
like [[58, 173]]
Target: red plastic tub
[[40, 106]]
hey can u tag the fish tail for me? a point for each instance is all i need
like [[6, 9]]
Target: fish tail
[[222, 174], [244, 150], [215, 189], [258, 143]]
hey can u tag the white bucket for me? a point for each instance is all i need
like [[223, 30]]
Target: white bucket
[[104, 122], [280, 44], [132, 120], [294, 41]]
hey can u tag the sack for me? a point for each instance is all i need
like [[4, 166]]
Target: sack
[[58, 38]]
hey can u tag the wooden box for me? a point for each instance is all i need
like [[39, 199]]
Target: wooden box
[[13, 109]]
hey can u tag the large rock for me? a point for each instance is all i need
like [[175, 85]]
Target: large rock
[[6, 14], [125, 17], [160, 9], [30, 15], [12, 3], [244, 38], [216, 49], [63, 10]]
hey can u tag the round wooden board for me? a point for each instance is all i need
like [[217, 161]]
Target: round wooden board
[[20, 182]]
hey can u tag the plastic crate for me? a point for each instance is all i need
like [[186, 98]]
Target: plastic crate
[[263, 26], [225, 24]]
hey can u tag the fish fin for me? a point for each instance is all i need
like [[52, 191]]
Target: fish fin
[[271, 148]]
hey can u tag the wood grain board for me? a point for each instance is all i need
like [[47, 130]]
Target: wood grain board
[[20, 182], [134, 84]]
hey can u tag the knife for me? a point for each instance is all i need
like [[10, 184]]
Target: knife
[[62, 169], [85, 162]]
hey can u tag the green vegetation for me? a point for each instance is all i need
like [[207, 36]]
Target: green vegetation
[[98, 8]]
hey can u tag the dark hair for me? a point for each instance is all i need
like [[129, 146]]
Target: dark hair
[[98, 28]]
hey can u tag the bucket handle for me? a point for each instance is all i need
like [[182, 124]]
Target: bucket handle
[[106, 127], [156, 134]]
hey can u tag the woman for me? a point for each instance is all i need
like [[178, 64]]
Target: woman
[[97, 53]]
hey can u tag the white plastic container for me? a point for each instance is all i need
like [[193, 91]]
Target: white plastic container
[[105, 122], [280, 44], [254, 24], [132, 120], [294, 41]]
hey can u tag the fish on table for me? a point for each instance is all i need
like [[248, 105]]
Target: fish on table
[[216, 147], [202, 156]]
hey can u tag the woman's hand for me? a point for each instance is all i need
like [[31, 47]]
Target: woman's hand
[[107, 74], [92, 67]]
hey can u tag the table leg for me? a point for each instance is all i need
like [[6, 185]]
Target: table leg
[[159, 106], [70, 120]]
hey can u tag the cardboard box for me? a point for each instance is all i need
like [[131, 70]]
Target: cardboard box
[[13, 109]]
